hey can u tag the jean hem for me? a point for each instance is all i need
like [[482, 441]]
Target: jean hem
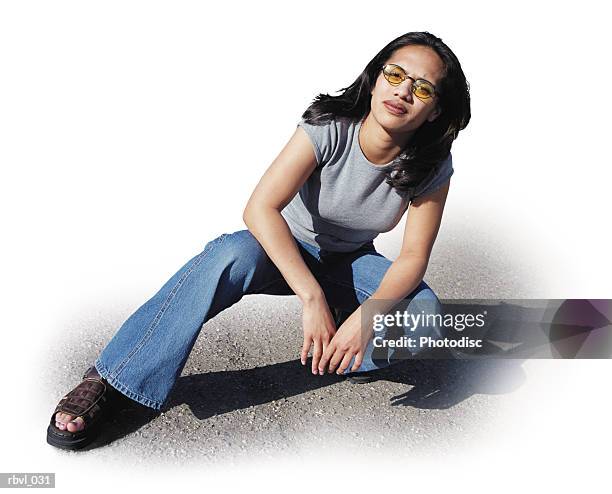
[[123, 389]]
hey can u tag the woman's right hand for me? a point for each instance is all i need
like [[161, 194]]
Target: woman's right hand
[[319, 328]]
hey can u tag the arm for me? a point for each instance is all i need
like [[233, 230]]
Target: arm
[[277, 187], [422, 226], [402, 277]]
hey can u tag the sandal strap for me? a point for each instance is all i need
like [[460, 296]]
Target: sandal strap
[[86, 400]]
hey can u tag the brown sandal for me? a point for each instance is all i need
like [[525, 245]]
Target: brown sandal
[[90, 400]]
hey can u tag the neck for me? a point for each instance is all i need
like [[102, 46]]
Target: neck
[[378, 145]]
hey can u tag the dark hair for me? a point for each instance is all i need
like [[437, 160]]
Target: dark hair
[[431, 142]]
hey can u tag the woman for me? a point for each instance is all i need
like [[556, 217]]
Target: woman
[[351, 169]]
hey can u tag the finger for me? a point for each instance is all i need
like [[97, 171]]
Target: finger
[[305, 349], [327, 354], [334, 360], [316, 355], [345, 363], [325, 340], [358, 360]]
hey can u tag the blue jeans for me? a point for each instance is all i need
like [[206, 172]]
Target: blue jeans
[[147, 354]]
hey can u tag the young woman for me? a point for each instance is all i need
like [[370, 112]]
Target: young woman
[[349, 172]]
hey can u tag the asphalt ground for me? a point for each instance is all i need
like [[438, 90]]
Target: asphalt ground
[[243, 392]]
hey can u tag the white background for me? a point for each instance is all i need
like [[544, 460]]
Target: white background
[[132, 133]]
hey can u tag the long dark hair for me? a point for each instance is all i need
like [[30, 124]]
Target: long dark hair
[[431, 142]]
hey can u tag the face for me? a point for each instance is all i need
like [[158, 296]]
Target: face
[[418, 62]]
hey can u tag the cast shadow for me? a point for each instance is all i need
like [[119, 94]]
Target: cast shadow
[[126, 418], [434, 384]]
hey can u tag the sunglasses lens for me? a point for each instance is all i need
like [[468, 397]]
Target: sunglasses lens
[[393, 74], [423, 90]]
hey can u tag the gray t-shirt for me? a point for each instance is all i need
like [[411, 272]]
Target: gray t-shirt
[[346, 203]]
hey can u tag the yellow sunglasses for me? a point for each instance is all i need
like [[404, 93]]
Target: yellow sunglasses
[[421, 88]]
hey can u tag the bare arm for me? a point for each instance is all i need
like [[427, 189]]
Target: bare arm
[[271, 230], [422, 226], [277, 187], [279, 184]]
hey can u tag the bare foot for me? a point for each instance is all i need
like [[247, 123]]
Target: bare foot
[[64, 421]]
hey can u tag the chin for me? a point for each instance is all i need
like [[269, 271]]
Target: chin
[[393, 125]]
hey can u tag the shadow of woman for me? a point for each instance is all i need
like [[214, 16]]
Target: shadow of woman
[[216, 393], [126, 417], [443, 384], [434, 383]]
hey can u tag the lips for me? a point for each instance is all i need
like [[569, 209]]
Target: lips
[[395, 108]]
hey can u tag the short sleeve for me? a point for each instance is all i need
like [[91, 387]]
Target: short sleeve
[[439, 178], [323, 139]]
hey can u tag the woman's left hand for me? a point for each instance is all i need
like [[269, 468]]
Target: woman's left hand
[[350, 340]]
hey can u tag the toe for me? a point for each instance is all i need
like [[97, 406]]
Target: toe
[[65, 418], [76, 425], [62, 420]]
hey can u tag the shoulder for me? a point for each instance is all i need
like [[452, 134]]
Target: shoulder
[[439, 175], [332, 129], [328, 136]]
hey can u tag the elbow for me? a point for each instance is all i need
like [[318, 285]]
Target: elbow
[[248, 212], [247, 217], [252, 212]]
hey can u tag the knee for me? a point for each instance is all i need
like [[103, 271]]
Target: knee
[[424, 300], [424, 293], [238, 248]]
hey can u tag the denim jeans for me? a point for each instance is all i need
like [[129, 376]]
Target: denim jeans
[[146, 356]]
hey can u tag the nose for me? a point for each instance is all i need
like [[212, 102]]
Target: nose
[[404, 90]]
